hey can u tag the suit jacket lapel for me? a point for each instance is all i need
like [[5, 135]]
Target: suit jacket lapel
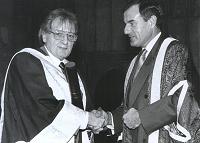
[[144, 72]]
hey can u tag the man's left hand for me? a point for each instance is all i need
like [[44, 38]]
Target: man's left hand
[[131, 118]]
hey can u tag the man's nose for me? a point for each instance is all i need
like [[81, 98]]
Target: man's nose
[[65, 39], [127, 29]]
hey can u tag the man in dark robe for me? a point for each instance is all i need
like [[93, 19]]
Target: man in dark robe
[[36, 100]]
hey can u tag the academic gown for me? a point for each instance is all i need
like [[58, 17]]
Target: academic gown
[[31, 104], [176, 67]]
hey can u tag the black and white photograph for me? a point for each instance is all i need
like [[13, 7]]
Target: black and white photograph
[[100, 71]]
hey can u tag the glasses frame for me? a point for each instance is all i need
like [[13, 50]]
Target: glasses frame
[[72, 37]]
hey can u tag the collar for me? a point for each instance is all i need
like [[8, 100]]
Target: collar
[[152, 43], [55, 61]]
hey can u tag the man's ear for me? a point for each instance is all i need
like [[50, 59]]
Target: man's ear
[[44, 38], [152, 21]]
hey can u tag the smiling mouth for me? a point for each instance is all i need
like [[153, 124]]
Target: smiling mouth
[[132, 38], [62, 47]]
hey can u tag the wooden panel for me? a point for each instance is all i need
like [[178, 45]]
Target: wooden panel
[[103, 25], [176, 27], [178, 8], [195, 41], [85, 11], [120, 42], [195, 7]]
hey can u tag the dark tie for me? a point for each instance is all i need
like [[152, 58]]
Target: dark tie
[[62, 66], [71, 75], [137, 66], [141, 59]]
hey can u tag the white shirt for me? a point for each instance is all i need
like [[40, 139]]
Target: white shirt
[[150, 45], [55, 61]]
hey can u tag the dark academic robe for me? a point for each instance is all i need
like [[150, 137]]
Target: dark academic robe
[[176, 67], [29, 102]]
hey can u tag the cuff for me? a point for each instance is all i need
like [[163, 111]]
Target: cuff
[[84, 120], [110, 124]]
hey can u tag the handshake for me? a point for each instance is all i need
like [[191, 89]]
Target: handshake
[[98, 120]]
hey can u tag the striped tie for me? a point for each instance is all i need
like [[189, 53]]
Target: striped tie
[[142, 57]]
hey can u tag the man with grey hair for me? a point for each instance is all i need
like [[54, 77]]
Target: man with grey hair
[[36, 100]]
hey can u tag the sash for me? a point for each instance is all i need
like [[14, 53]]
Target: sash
[[155, 90]]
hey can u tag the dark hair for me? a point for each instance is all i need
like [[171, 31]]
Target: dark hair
[[63, 15], [147, 8]]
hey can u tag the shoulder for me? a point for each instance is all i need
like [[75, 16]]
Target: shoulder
[[25, 60], [176, 51], [177, 47]]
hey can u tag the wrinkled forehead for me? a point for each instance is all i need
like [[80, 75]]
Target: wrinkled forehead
[[63, 25]]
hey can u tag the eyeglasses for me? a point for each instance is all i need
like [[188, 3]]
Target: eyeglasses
[[72, 37]]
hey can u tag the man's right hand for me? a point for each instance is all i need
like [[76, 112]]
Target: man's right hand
[[95, 122], [99, 120]]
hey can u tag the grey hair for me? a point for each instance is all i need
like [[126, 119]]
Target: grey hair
[[63, 15]]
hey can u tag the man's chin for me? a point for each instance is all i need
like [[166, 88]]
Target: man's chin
[[133, 44]]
